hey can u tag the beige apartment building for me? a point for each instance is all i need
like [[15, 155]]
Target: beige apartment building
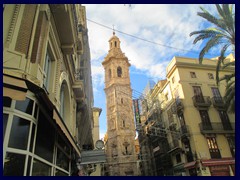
[[186, 121], [47, 89]]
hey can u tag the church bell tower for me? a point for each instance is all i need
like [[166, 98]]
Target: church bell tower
[[120, 146]]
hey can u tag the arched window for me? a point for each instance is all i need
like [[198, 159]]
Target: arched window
[[109, 73], [119, 72], [115, 42]]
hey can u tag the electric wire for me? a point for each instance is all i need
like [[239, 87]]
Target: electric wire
[[149, 41]]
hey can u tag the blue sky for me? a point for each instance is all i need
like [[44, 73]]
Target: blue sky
[[165, 30]]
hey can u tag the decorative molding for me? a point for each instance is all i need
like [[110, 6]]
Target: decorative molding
[[13, 24]]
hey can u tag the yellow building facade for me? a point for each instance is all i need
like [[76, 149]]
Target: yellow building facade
[[47, 91], [193, 117]]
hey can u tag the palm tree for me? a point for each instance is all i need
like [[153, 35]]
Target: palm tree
[[221, 35]]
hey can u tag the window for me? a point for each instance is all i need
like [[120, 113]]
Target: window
[[178, 158], [19, 133], [7, 102], [47, 71], [119, 72], [206, 124], [231, 142], [25, 106], [126, 150], [225, 120], [193, 75], [216, 95], [173, 79], [213, 147], [109, 73], [198, 96], [63, 154], [123, 123], [45, 138], [115, 43], [210, 76], [14, 164], [40, 169]]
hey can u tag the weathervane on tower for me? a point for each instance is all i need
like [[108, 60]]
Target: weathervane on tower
[[113, 30]]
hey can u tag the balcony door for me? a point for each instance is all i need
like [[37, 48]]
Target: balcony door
[[198, 94], [225, 120], [206, 123], [216, 95]]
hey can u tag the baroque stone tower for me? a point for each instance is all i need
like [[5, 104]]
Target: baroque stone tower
[[120, 149]]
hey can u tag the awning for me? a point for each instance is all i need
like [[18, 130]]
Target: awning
[[190, 165], [14, 88], [218, 162], [58, 120], [43, 97]]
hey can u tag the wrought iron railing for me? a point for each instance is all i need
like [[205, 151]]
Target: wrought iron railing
[[217, 127], [201, 101]]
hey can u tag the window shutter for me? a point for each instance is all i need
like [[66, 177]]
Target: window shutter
[[40, 35], [25, 31]]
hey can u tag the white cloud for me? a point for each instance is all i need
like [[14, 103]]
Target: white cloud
[[97, 77], [166, 25], [163, 25]]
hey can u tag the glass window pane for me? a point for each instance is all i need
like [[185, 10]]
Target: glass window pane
[[62, 160], [25, 106], [40, 169], [14, 164], [32, 137], [63, 145], [45, 138], [29, 165], [5, 120], [36, 110], [7, 102], [60, 173], [19, 133]]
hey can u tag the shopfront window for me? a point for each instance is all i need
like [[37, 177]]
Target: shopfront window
[[19, 133], [25, 106], [14, 164], [60, 173], [45, 138], [63, 154], [62, 159], [40, 169], [7, 102]]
